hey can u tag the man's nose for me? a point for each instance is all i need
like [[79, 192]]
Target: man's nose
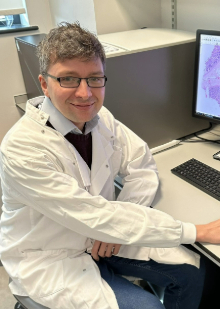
[[83, 91]]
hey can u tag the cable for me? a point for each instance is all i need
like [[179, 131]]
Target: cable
[[202, 138], [203, 130], [207, 140]]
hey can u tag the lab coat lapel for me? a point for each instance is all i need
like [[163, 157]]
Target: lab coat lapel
[[83, 168], [101, 152]]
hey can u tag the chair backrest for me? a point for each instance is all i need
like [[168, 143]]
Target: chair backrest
[[28, 303]]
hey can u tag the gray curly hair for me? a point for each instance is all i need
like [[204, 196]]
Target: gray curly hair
[[68, 41]]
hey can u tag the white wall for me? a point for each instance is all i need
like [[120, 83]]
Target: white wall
[[192, 14], [72, 11], [198, 14], [121, 15], [39, 14], [107, 16], [11, 80], [166, 16]]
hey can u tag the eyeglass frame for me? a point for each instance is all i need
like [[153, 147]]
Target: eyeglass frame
[[79, 78]]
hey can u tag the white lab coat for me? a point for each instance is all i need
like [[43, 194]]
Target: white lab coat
[[53, 206]]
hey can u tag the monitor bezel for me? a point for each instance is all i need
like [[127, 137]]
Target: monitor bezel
[[199, 32]]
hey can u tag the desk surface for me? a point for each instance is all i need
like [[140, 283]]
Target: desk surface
[[182, 200], [137, 40]]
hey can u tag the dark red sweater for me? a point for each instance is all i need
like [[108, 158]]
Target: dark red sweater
[[82, 143]]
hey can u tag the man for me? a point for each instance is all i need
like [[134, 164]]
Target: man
[[61, 227]]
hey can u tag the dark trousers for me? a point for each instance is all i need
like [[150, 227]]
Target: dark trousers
[[183, 283]]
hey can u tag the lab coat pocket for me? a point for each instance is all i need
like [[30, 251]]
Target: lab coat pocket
[[41, 272]]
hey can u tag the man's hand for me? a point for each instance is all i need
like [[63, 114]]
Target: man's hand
[[104, 249], [209, 232]]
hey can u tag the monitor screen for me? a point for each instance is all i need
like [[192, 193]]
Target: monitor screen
[[206, 101]]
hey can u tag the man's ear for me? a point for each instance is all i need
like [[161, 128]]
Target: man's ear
[[43, 84]]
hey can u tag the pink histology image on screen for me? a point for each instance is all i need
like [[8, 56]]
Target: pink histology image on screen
[[208, 95], [211, 76]]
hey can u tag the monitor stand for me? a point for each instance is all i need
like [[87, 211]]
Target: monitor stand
[[212, 134]]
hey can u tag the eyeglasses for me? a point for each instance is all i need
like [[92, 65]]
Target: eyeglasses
[[74, 82]]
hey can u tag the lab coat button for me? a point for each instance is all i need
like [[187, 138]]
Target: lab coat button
[[43, 131], [42, 117], [106, 165]]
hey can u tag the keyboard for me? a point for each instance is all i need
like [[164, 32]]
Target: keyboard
[[200, 175]]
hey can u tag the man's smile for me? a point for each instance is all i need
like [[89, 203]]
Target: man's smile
[[83, 106]]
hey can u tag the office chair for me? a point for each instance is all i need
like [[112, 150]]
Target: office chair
[[25, 302]]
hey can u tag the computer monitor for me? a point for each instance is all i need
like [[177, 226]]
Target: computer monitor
[[206, 99]]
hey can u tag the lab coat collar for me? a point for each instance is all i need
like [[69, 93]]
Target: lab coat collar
[[57, 119], [61, 123], [36, 114]]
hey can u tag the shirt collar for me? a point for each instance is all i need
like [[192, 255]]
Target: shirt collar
[[61, 123]]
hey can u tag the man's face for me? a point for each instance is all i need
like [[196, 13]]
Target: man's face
[[77, 104]]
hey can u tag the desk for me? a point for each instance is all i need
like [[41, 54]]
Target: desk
[[182, 200]]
